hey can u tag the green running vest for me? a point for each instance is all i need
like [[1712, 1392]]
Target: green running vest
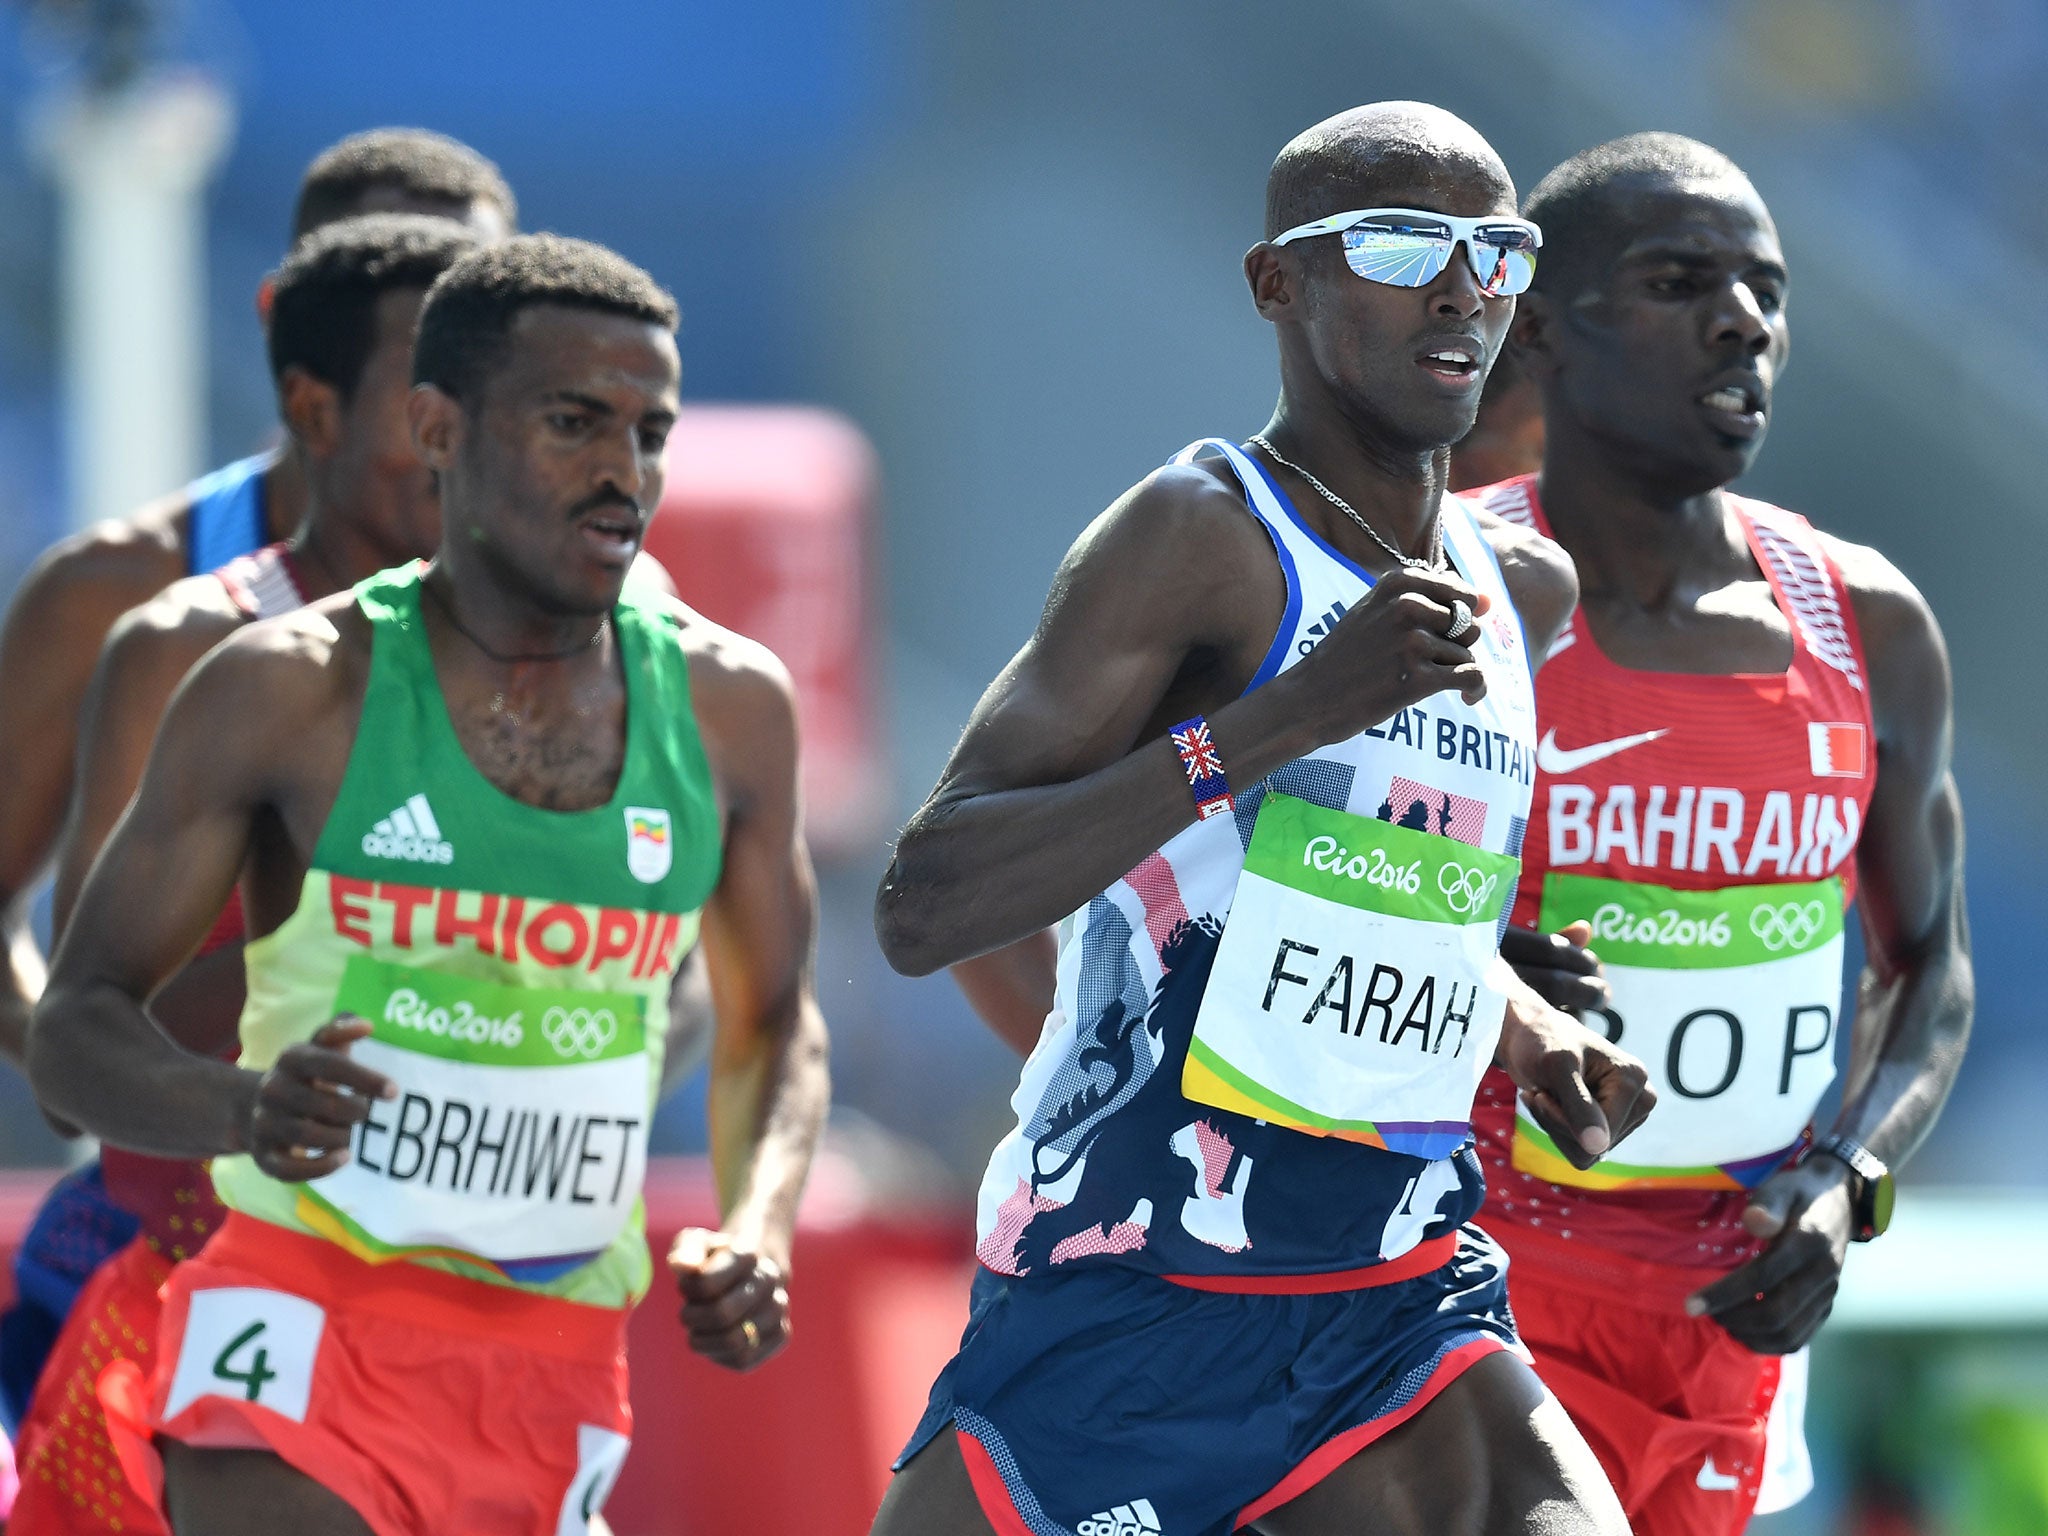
[[514, 965]]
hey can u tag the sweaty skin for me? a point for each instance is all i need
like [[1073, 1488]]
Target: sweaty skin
[[1634, 464], [63, 611], [1064, 779], [575, 415]]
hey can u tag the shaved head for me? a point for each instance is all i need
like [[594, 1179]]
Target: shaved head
[[1595, 203], [1353, 160]]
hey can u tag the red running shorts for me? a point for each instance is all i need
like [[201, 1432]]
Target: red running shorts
[[72, 1482], [429, 1402], [1674, 1408]]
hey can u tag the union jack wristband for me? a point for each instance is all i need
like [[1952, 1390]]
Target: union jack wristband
[[1204, 767]]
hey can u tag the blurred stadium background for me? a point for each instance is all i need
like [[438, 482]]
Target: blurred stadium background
[[1002, 242]]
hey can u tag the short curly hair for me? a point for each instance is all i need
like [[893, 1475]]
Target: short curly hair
[[1581, 205], [323, 310], [416, 162], [471, 308]]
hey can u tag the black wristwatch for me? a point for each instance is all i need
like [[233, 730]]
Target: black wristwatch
[[1870, 1184]]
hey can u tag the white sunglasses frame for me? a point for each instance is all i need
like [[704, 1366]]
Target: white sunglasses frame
[[1462, 230]]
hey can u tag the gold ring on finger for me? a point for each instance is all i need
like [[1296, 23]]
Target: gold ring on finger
[[752, 1331]]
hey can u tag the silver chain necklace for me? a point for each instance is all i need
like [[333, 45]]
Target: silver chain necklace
[[1433, 561]]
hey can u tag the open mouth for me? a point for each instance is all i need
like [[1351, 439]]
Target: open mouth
[[1451, 362], [615, 536], [1736, 409]]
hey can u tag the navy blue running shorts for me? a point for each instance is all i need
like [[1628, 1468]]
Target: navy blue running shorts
[[1109, 1402]]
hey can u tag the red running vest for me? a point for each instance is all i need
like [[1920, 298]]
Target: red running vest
[[1692, 782]]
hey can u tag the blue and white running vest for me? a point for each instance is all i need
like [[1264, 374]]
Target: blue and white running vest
[[1109, 1162], [228, 516]]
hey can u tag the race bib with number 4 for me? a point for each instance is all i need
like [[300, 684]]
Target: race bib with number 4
[[1729, 998], [253, 1345], [1350, 994]]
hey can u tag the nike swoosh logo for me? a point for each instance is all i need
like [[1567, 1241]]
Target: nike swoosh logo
[[1714, 1480], [1552, 758]]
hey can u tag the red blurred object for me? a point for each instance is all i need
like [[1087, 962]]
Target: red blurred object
[[763, 527], [800, 1447]]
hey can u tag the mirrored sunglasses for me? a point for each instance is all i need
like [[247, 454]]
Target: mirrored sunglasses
[[1408, 247]]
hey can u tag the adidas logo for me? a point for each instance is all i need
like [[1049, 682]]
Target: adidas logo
[[1319, 631], [1133, 1519], [410, 833]]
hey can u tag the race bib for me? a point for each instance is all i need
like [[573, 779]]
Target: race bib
[[520, 1129], [1729, 998], [1350, 994], [253, 1345]]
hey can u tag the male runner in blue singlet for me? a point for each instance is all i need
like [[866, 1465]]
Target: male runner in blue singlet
[[62, 612], [1267, 761]]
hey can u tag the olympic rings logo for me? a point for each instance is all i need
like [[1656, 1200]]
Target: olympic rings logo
[[1792, 926], [579, 1031], [1466, 890]]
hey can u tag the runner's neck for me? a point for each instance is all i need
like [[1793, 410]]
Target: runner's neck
[[285, 496], [1400, 494], [1649, 552]]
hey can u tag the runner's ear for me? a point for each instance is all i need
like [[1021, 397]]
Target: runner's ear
[[436, 421], [1271, 279], [311, 409]]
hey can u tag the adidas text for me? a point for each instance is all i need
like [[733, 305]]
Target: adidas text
[[1136, 1518], [410, 833]]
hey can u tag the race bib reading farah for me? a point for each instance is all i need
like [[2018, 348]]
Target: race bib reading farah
[[1729, 998], [1350, 994], [519, 1132]]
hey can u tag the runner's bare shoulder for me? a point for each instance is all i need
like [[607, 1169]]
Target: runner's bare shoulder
[[1902, 640], [1540, 575], [727, 670], [288, 689], [174, 628], [1178, 556], [87, 580], [743, 697]]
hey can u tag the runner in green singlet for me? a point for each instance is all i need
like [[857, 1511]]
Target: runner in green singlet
[[480, 812]]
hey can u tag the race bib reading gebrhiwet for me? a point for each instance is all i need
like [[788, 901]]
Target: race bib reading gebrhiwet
[[520, 1129], [1350, 994], [1728, 997]]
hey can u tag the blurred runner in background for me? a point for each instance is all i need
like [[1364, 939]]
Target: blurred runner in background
[[1507, 439], [343, 309], [62, 612]]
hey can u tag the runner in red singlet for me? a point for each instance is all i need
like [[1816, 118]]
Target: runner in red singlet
[[1745, 727], [344, 308]]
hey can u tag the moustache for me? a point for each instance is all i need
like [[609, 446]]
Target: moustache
[[605, 499]]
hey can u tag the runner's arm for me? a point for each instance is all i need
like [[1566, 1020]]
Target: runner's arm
[[1917, 992], [1011, 988], [95, 1056], [65, 605], [1050, 794], [769, 1079], [149, 652], [692, 1019]]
